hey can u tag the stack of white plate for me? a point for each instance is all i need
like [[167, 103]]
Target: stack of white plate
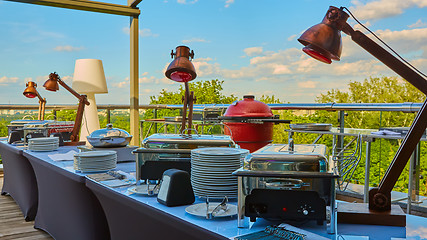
[[43, 144], [211, 171], [95, 161]]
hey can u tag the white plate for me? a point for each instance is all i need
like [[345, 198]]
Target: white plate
[[43, 139], [219, 151], [95, 154], [200, 210], [142, 189]]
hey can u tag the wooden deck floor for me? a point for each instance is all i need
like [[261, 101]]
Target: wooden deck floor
[[12, 223]]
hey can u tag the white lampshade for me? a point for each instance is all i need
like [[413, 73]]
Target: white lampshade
[[89, 76], [89, 79]]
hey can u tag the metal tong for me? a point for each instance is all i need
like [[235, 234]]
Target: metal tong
[[222, 206], [153, 191]]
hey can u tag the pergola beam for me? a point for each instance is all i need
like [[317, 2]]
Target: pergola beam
[[91, 6], [134, 3]]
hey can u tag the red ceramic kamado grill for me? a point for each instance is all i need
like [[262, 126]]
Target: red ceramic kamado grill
[[250, 123]]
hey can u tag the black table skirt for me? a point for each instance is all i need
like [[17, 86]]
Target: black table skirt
[[129, 219], [19, 180], [67, 209]]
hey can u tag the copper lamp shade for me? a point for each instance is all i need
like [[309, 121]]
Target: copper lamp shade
[[52, 83], [323, 41], [181, 69], [30, 91]]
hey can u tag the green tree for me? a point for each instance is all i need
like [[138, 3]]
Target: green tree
[[378, 90], [205, 92]]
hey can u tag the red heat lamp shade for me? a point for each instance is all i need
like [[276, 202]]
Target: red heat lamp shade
[[181, 69], [323, 41], [30, 95], [52, 83], [316, 55], [179, 76], [30, 91]]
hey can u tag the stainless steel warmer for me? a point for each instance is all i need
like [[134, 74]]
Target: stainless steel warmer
[[41, 128], [164, 151], [109, 137], [279, 184]]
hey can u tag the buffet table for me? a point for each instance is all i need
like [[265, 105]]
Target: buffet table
[[73, 206], [66, 209], [135, 216], [19, 179]]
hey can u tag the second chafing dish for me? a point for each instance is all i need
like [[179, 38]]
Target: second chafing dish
[[276, 183], [164, 151]]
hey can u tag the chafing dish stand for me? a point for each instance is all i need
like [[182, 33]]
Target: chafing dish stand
[[278, 184]]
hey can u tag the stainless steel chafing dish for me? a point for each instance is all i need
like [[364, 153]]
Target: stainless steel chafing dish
[[275, 183], [41, 128], [164, 151]]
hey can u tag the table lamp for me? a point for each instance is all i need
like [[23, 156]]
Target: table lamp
[[31, 92], [89, 79], [52, 85], [182, 70], [323, 42]]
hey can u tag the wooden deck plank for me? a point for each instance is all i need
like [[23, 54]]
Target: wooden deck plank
[[12, 223]]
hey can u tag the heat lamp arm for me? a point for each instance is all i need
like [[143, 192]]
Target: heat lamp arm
[[72, 91], [79, 117], [388, 59], [42, 104], [418, 126]]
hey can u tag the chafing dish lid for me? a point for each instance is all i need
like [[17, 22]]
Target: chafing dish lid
[[208, 140], [277, 157], [109, 131]]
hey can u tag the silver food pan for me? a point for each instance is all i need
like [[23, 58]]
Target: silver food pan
[[311, 126], [107, 142]]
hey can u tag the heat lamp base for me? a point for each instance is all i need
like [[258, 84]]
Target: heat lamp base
[[359, 213]]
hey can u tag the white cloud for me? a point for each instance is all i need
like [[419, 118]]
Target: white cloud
[[307, 84], [122, 84], [228, 3], [145, 32], [185, 1], [67, 79], [405, 40], [281, 69], [68, 48], [252, 51], [151, 79], [418, 24], [6, 80], [292, 37], [194, 40], [383, 8]]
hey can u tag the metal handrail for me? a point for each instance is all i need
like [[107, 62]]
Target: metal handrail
[[407, 107]]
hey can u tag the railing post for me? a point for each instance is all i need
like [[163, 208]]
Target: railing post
[[367, 170], [108, 115], [54, 114], [341, 130], [414, 178], [155, 124]]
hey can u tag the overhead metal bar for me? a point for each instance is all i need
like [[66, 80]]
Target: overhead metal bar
[[91, 6], [134, 3]]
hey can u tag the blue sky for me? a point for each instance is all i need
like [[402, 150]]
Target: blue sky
[[251, 45]]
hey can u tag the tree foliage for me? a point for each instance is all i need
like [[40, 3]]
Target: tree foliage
[[205, 92], [379, 90]]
